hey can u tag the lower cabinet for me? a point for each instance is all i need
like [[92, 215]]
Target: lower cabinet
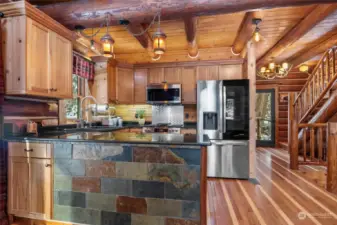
[[29, 186]]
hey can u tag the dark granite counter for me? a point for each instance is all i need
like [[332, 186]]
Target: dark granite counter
[[116, 136]]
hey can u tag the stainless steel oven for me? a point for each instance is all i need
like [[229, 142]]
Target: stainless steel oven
[[163, 93]]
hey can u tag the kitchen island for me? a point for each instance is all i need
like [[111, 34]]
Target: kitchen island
[[120, 177]]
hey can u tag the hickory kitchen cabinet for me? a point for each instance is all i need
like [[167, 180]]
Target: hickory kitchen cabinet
[[30, 180], [140, 83], [37, 60], [189, 85], [113, 83], [155, 76], [208, 72]]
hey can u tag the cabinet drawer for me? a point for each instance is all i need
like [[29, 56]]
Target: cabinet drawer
[[35, 150]]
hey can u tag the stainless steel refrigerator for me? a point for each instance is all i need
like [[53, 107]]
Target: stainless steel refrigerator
[[223, 115]]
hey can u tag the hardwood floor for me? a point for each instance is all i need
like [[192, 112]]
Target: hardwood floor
[[283, 196]]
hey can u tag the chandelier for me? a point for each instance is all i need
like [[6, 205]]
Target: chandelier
[[274, 70], [159, 37]]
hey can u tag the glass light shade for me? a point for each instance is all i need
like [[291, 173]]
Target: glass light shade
[[304, 68], [271, 66], [285, 65], [263, 69], [256, 36], [268, 71], [108, 45], [159, 43]]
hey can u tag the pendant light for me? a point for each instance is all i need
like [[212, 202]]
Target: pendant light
[[159, 40], [107, 41], [256, 34]]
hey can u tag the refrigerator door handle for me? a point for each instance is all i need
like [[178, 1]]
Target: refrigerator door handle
[[222, 98], [237, 143]]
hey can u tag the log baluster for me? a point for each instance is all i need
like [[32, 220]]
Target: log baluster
[[332, 158], [312, 144], [320, 143], [304, 144]]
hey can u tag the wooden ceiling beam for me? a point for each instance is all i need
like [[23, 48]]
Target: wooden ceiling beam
[[145, 39], [319, 13], [82, 11], [191, 35], [245, 33], [308, 54], [82, 43]]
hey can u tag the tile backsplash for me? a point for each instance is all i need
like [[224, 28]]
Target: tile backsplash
[[127, 112]]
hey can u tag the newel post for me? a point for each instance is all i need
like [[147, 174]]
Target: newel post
[[293, 147], [292, 133], [332, 158]]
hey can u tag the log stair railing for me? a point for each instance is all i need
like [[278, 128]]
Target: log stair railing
[[319, 147], [319, 84]]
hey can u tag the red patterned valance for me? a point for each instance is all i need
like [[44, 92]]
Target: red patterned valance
[[83, 67]]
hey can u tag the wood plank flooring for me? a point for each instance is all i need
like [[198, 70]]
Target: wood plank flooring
[[283, 196]]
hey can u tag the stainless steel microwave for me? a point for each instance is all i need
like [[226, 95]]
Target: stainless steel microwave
[[163, 93]]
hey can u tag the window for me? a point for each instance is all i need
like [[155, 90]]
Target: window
[[72, 105]]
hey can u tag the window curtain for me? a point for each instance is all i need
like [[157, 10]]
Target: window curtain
[[3, 149], [83, 67]]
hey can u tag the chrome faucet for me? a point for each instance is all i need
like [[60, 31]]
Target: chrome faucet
[[81, 121]]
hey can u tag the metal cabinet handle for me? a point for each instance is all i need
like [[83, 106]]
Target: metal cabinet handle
[[48, 165], [28, 150]]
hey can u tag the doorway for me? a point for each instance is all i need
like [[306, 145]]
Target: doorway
[[265, 118]]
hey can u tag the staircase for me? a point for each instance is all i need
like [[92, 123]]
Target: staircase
[[315, 143], [317, 89], [283, 123]]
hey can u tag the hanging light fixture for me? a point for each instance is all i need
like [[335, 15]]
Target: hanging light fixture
[[107, 41], [256, 34], [274, 70], [159, 40]]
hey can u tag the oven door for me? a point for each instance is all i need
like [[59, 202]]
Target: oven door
[[164, 94]]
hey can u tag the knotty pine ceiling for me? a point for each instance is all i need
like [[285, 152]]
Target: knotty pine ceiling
[[215, 33]]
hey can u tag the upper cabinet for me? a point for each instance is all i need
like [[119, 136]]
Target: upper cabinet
[[140, 82], [37, 60], [230, 72], [208, 72], [189, 85], [125, 86], [172, 75], [156, 76]]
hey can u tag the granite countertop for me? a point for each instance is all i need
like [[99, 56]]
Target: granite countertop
[[113, 135]]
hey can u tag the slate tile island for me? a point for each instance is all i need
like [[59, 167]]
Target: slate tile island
[[125, 184]]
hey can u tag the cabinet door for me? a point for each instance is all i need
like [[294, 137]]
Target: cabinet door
[[100, 87], [172, 75], [38, 59], [230, 72], [125, 85], [140, 77], [40, 188], [18, 186], [156, 76], [61, 66], [208, 73], [189, 85]]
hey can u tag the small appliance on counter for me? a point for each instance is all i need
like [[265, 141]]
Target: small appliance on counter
[[163, 94], [223, 115], [106, 115]]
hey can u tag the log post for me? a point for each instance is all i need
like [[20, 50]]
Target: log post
[[291, 116], [293, 147], [251, 73], [332, 158]]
